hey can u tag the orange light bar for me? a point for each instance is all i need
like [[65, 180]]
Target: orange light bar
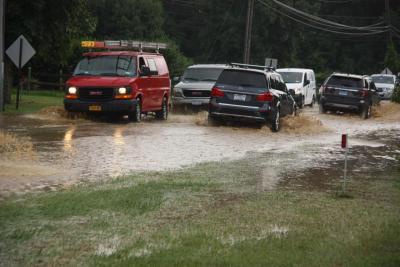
[[71, 96], [123, 96], [92, 44]]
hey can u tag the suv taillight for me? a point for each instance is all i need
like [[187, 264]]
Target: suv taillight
[[322, 89], [265, 97], [216, 92], [364, 92]]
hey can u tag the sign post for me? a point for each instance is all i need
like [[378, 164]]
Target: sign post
[[20, 52], [345, 146]]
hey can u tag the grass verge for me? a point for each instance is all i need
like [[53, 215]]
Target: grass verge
[[211, 214], [34, 101]]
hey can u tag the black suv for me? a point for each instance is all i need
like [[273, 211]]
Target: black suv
[[245, 93], [348, 92]]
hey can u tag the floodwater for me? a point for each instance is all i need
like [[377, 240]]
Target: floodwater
[[69, 151]]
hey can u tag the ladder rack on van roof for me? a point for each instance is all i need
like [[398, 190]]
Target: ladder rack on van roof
[[247, 66], [125, 44]]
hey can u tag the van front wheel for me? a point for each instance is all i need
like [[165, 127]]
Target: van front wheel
[[136, 115]]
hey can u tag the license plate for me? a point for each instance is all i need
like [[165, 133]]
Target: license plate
[[342, 92], [94, 108], [196, 103], [239, 97]]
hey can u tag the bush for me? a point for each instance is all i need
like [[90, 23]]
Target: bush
[[396, 94]]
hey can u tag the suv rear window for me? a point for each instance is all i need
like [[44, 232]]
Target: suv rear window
[[347, 82], [242, 78]]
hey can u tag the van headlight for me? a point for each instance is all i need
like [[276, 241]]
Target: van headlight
[[122, 90], [72, 90], [297, 91]]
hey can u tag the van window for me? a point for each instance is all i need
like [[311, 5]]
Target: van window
[[142, 62], [161, 65], [292, 77], [152, 64], [312, 76]]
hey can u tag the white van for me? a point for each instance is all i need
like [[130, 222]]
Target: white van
[[302, 81]]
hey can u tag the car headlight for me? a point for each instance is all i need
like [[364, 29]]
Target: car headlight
[[122, 90], [72, 90], [177, 91]]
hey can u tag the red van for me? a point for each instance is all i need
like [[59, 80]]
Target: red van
[[120, 82]]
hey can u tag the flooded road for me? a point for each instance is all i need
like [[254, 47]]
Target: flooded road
[[73, 151]]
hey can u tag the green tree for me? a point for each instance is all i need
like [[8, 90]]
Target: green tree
[[53, 28], [392, 58]]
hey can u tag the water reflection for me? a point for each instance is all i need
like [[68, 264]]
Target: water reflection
[[68, 136], [118, 136]]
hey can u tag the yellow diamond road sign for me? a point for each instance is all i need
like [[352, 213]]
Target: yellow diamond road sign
[[20, 52]]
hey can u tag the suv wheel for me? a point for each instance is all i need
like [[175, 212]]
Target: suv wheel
[[301, 104], [136, 115], [212, 121], [322, 109], [366, 112], [295, 110], [163, 113], [276, 121]]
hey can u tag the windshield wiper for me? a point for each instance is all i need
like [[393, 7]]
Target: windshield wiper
[[109, 74], [83, 74], [191, 79]]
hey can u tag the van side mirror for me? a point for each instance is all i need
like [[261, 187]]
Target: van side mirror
[[176, 79], [145, 71], [306, 82]]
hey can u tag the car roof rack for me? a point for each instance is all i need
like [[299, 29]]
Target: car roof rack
[[248, 66], [125, 44]]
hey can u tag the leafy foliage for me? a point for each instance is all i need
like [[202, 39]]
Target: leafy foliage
[[53, 28], [391, 58], [396, 94], [207, 31]]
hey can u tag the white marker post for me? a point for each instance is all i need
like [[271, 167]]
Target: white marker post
[[345, 146]]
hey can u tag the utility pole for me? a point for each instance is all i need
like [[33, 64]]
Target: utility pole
[[249, 28], [388, 20], [2, 35]]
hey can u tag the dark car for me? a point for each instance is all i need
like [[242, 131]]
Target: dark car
[[348, 92], [250, 94]]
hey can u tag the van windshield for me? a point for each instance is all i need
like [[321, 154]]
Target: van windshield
[[292, 77], [243, 78], [201, 75], [124, 66], [383, 79]]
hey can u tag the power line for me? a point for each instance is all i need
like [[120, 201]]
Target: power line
[[343, 30], [328, 23]]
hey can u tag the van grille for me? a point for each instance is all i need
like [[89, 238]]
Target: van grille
[[93, 93]]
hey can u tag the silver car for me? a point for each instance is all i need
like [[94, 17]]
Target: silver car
[[195, 85], [385, 84]]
